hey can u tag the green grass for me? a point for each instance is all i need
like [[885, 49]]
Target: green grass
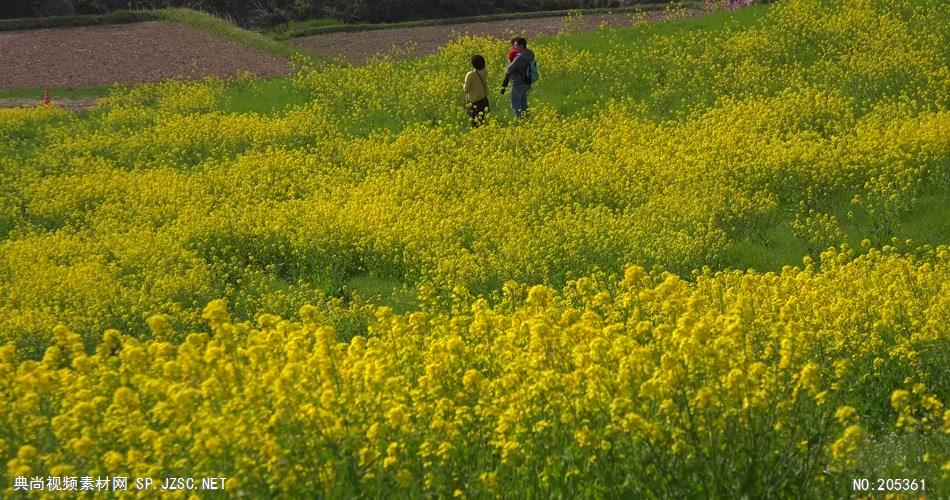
[[93, 92], [901, 455], [926, 222], [929, 221], [291, 29], [321, 26], [777, 247], [277, 94], [641, 35], [391, 292], [263, 95], [561, 93]]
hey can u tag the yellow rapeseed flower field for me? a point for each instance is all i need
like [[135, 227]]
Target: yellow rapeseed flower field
[[179, 298]]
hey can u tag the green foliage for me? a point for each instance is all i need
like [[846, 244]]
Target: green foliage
[[290, 28], [57, 93]]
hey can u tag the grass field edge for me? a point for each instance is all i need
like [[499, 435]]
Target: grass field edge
[[349, 28]]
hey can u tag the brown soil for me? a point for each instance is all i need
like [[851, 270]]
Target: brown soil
[[127, 53], [360, 47]]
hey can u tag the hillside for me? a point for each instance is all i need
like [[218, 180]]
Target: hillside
[[712, 261]]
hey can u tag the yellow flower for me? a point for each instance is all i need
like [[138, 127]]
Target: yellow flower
[[471, 379], [396, 416], [26, 453], [403, 477], [539, 295], [810, 378], [845, 414], [848, 443], [159, 326], [899, 399], [216, 312], [489, 480], [113, 461]]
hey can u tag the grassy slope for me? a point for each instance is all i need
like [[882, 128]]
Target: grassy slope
[[274, 95], [310, 27], [561, 93], [927, 223], [219, 27], [270, 95]]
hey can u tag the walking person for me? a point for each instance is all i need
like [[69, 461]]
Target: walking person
[[476, 91], [519, 74]]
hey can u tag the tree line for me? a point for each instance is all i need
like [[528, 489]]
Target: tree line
[[271, 12]]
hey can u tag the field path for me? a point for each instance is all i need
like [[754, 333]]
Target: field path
[[361, 46]]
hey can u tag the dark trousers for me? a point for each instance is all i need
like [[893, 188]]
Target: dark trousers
[[478, 110]]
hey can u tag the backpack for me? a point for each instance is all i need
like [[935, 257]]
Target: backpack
[[531, 75]]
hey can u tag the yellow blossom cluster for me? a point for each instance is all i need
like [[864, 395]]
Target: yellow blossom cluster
[[746, 383], [160, 202]]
